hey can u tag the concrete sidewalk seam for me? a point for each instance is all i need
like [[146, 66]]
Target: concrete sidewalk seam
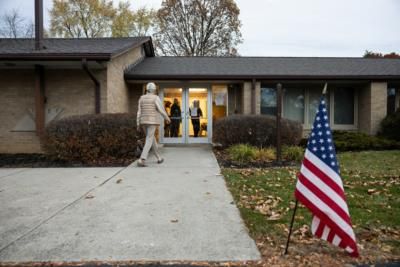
[[16, 172], [59, 211]]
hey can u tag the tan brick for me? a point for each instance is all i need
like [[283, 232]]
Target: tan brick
[[69, 89], [117, 89], [258, 97], [246, 98], [372, 107]]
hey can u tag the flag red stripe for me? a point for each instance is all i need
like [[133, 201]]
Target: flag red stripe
[[342, 244], [325, 178], [346, 239], [320, 229], [331, 235], [326, 199]]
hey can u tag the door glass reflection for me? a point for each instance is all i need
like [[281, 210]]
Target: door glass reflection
[[173, 106], [197, 112]]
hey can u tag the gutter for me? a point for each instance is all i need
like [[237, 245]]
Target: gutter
[[96, 85], [55, 56], [133, 76]]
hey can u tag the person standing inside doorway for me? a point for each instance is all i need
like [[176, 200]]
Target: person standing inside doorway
[[175, 118], [148, 119], [195, 114]]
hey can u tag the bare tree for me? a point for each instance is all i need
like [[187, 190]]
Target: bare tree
[[198, 28], [14, 25]]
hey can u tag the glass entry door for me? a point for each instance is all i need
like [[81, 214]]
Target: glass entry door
[[197, 114], [189, 110], [174, 104]]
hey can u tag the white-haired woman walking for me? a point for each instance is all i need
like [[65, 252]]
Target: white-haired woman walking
[[148, 118]]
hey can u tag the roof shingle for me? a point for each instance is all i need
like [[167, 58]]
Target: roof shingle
[[263, 67], [71, 47]]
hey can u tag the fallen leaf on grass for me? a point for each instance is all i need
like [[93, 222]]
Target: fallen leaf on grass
[[274, 217], [373, 192]]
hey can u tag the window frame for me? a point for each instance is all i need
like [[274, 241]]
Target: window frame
[[307, 124]]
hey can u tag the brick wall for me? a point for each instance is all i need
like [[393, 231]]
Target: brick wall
[[68, 90], [135, 91], [16, 98], [372, 107], [117, 90], [246, 98], [258, 97]]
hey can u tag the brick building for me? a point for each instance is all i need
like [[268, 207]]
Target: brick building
[[106, 75]]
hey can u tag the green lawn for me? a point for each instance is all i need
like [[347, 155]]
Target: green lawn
[[371, 180]]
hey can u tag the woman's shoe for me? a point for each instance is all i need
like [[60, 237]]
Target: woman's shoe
[[160, 161], [141, 163]]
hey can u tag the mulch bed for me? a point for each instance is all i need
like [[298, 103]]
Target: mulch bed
[[225, 161], [42, 161]]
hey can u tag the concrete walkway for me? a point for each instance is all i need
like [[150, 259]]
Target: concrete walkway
[[179, 210]]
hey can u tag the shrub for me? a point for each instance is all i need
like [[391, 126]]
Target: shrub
[[265, 154], [390, 126], [355, 141], [242, 153], [293, 153], [92, 138], [256, 130]]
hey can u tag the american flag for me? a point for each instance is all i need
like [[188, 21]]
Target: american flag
[[319, 187]]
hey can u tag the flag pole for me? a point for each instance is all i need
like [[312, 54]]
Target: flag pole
[[291, 227], [325, 89], [295, 206]]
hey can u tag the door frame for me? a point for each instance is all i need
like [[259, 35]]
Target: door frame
[[186, 139]]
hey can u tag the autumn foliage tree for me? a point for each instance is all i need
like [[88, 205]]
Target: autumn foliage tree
[[132, 23], [98, 18], [197, 28], [370, 54], [81, 18]]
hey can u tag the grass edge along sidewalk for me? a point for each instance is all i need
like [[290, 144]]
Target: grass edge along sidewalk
[[371, 179]]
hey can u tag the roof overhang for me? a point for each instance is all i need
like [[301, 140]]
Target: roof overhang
[[146, 43], [132, 77], [50, 64]]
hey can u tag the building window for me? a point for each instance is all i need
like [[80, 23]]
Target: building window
[[268, 101], [344, 106], [300, 104], [293, 104], [314, 97]]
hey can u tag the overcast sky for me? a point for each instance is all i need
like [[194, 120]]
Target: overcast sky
[[298, 28]]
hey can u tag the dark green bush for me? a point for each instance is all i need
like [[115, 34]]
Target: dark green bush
[[92, 138], [255, 130], [390, 126], [355, 141]]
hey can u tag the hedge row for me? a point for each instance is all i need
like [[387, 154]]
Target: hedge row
[[255, 130], [356, 141], [92, 138]]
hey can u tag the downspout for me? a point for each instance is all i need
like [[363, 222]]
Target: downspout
[[253, 96], [96, 85]]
